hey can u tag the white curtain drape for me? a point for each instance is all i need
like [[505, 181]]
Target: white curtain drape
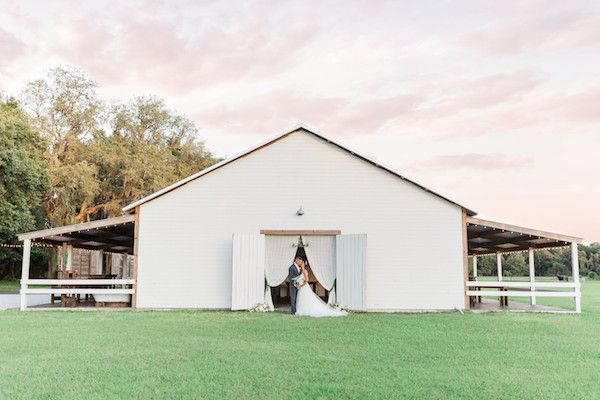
[[320, 251], [279, 255]]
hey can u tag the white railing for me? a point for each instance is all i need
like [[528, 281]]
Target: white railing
[[476, 286], [522, 293], [74, 286], [523, 284], [79, 282]]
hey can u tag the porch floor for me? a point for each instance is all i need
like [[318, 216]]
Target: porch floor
[[81, 306], [486, 305], [491, 305]]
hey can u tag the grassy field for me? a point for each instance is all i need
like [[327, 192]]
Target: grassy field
[[239, 355], [10, 286]]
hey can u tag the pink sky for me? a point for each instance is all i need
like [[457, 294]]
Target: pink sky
[[494, 104]]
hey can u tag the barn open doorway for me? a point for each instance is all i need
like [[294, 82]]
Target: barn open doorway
[[281, 295], [336, 263]]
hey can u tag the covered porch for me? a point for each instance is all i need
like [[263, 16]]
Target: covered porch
[[93, 264], [486, 238]]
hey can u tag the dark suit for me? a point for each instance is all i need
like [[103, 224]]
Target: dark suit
[[292, 273]]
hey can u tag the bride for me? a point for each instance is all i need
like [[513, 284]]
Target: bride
[[311, 305]]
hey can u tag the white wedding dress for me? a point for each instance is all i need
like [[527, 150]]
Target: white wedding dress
[[311, 305]]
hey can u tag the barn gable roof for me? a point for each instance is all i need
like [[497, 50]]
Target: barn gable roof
[[131, 207]]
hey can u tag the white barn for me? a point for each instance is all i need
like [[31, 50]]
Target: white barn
[[375, 240]]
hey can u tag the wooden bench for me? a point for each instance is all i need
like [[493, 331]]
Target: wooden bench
[[503, 299]]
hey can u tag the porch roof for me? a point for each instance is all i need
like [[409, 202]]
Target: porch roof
[[112, 234], [489, 237]]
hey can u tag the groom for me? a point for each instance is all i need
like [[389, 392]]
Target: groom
[[293, 272]]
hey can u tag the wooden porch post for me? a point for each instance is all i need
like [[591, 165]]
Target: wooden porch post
[[465, 259], [532, 275], [136, 232], [62, 263], [25, 272], [69, 258], [475, 267], [499, 265], [101, 261], [575, 266]]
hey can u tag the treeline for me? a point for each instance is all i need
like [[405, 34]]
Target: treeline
[[549, 262], [68, 156]]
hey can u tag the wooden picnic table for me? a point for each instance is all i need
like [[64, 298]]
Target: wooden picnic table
[[72, 300], [503, 299]]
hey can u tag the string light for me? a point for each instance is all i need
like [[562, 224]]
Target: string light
[[19, 246], [521, 251]]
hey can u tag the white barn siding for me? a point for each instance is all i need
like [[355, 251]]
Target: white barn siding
[[414, 254]]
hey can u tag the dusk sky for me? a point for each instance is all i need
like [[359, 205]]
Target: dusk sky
[[494, 104]]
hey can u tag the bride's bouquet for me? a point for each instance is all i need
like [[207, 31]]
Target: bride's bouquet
[[299, 281]]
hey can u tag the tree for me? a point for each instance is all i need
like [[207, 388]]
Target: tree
[[66, 111], [148, 148], [548, 262], [101, 158], [514, 264], [486, 265], [23, 180]]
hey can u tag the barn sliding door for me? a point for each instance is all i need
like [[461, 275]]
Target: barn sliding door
[[248, 271], [351, 263]]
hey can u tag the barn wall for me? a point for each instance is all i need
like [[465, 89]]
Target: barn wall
[[414, 258]]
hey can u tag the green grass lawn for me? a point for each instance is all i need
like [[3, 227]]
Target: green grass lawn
[[239, 355], [14, 286], [10, 285]]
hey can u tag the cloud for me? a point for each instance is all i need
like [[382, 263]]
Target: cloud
[[581, 107], [546, 26], [456, 95], [474, 161], [10, 48], [430, 112], [258, 67], [539, 111], [137, 47], [270, 111]]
